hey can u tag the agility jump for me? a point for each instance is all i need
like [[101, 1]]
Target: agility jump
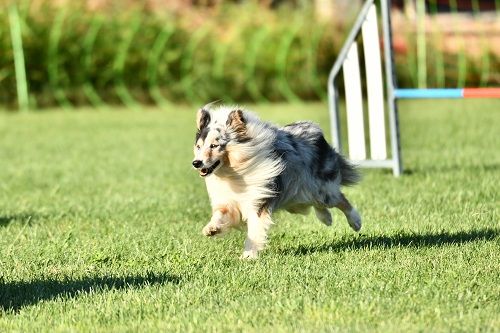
[[348, 60]]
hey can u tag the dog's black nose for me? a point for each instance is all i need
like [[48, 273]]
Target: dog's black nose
[[197, 163]]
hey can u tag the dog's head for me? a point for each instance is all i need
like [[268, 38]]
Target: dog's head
[[215, 130]]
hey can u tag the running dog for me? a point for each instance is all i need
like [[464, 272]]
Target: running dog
[[253, 168]]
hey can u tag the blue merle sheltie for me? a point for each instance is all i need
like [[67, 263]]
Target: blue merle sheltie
[[253, 168]]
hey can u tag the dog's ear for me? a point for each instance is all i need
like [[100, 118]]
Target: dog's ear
[[202, 119], [236, 120]]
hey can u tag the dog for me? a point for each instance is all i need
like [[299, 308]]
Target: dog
[[253, 168]]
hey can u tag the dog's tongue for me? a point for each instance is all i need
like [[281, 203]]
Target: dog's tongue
[[204, 171]]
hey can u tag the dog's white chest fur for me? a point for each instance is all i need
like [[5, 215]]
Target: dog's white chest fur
[[222, 191]]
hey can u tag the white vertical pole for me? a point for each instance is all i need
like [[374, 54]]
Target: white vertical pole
[[333, 104], [354, 105], [390, 78], [374, 84]]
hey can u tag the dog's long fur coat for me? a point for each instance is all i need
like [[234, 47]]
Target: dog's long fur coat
[[252, 168]]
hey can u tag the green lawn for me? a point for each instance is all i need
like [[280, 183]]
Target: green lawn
[[101, 217]]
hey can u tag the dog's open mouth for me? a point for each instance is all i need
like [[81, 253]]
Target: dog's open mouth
[[206, 171]]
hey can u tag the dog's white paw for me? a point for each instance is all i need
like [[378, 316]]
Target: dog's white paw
[[249, 255], [211, 229], [354, 220]]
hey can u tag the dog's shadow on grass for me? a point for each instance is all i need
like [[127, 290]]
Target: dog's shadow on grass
[[400, 240], [16, 295]]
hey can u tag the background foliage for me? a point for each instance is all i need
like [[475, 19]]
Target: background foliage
[[131, 54]]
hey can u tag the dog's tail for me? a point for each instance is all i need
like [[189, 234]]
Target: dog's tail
[[349, 173]]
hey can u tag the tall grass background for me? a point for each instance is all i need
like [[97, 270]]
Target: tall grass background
[[133, 55]]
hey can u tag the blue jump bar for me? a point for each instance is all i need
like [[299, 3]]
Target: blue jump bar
[[428, 93]]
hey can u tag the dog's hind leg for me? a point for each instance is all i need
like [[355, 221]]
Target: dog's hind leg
[[350, 213], [257, 225], [302, 209], [323, 214]]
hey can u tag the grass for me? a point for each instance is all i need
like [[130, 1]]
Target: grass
[[101, 217]]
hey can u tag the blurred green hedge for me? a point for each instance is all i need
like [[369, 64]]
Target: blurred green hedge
[[131, 56], [74, 56]]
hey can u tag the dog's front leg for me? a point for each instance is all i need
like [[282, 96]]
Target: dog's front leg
[[223, 217], [258, 225]]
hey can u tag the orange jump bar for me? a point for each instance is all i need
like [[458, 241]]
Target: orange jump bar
[[481, 92]]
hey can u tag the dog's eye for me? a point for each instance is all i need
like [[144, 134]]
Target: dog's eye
[[198, 147], [213, 146]]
